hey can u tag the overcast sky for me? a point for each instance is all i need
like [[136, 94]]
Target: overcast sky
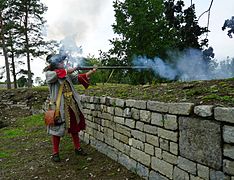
[[89, 22]]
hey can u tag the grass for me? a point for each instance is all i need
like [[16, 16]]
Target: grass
[[12, 133], [25, 150]]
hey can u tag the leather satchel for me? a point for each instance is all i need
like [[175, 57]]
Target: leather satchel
[[52, 115]]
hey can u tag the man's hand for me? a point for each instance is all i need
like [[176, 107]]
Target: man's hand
[[71, 70]]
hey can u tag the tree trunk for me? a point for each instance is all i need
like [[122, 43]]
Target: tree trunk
[[13, 70], [27, 48], [5, 53], [13, 62]]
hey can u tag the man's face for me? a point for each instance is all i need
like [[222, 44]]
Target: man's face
[[61, 65]]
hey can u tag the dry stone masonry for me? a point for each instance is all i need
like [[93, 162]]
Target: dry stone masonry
[[162, 141]]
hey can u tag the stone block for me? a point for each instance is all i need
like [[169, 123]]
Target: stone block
[[96, 99], [120, 102], [119, 120], [157, 119], [129, 163], [121, 137], [204, 110], [112, 153], [169, 135], [217, 175], [140, 104], [140, 156], [119, 111], [123, 130], [170, 158], [108, 133], [139, 125], [181, 108], [150, 129], [228, 134], [127, 113], [203, 171], [158, 152], [164, 144], [110, 101], [152, 139], [99, 136], [138, 135], [107, 116], [130, 102], [174, 148], [224, 114], [228, 166], [136, 144], [111, 110], [180, 174], [157, 106], [135, 114], [170, 122], [103, 100], [228, 151], [130, 123], [149, 149], [187, 165], [145, 116], [200, 141], [124, 148], [153, 175], [162, 167], [142, 171]]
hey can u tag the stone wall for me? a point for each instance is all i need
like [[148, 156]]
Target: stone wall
[[163, 140]]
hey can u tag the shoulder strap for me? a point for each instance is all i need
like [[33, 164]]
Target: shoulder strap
[[58, 100]]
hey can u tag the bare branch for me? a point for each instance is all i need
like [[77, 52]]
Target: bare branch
[[206, 10]]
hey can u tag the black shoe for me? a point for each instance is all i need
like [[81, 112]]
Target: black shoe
[[80, 152], [56, 158]]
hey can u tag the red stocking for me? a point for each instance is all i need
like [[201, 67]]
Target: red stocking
[[76, 140], [55, 142]]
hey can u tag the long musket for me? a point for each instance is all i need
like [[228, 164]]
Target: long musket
[[111, 67]]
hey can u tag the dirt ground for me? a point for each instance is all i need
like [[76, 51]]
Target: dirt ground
[[25, 153], [25, 147]]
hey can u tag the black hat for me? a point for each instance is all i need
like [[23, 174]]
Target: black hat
[[55, 58]]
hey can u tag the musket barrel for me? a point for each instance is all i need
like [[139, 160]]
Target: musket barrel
[[112, 67]]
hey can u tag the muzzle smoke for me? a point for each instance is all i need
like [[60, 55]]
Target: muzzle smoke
[[187, 66]]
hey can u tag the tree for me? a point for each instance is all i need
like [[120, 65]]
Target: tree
[[30, 20], [3, 5], [150, 29], [229, 23], [23, 34], [185, 24]]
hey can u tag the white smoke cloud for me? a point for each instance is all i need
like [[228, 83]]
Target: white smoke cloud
[[71, 17], [186, 66]]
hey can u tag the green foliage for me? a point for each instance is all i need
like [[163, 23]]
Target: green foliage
[[150, 29], [22, 81], [185, 25]]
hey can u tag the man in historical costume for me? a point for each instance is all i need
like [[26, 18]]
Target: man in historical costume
[[71, 116]]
